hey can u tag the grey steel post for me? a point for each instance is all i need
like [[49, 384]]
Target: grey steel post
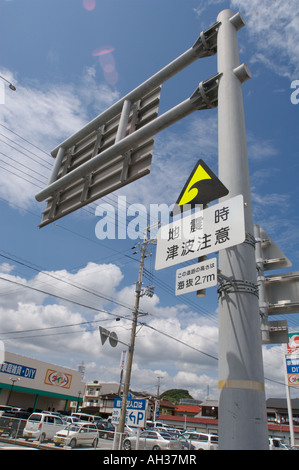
[[56, 165], [242, 404], [124, 118]]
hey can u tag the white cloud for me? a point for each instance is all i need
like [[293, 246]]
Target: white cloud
[[79, 286], [186, 343], [274, 370], [23, 309], [44, 115], [273, 27]]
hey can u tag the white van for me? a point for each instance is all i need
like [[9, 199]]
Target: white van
[[155, 424], [202, 441], [87, 417], [42, 426]]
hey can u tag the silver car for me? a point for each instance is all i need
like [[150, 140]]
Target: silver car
[[152, 440], [77, 434], [202, 441]]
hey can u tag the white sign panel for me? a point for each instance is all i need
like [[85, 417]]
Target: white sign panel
[[273, 257], [216, 228], [196, 277], [282, 291], [135, 413]]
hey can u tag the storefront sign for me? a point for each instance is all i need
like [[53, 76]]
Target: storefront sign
[[58, 379], [17, 369]]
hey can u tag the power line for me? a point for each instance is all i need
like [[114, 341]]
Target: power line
[[56, 296], [25, 140], [57, 327], [63, 280], [179, 341]]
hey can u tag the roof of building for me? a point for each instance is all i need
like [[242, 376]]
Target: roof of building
[[209, 402], [166, 403], [281, 403], [188, 409]]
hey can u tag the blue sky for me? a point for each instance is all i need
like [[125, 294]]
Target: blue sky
[[50, 52]]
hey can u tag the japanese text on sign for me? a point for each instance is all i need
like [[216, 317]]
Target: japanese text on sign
[[218, 227], [135, 412], [197, 276], [17, 369]]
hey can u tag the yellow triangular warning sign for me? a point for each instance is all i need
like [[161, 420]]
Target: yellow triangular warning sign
[[202, 187]]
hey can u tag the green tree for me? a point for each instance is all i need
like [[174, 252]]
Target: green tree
[[175, 394]]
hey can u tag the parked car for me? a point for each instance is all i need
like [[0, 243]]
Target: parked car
[[70, 420], [42, 426], [186, 444], [152, 440], [276, 443], [129, 430], [4, 408], [12, 423], [172, 431], [86, 417], [202, 441], [154, 424], [77, 434], [106, 430]]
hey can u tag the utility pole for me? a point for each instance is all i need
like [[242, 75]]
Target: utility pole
[[122, 418], [242, 403]]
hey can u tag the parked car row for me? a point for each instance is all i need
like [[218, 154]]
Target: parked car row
[[84, 429], [167, 439], [42, 426], [6, 408]]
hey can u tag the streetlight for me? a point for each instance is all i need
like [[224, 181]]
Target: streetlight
[[78, 400], [11, 86], [12, 386]]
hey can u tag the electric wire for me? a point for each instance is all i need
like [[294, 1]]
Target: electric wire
[[25, 140], [96, 309], [102, 296]]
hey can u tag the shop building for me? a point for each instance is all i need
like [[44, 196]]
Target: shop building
[[35, 385]]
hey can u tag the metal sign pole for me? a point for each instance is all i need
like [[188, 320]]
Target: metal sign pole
[[242, 404], [289, 401]]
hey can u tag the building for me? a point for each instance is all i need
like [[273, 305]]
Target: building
[[166, 407], [187, 410], [99, 398], [207, 420], [35, 385], [277, 411], [209, 408]]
